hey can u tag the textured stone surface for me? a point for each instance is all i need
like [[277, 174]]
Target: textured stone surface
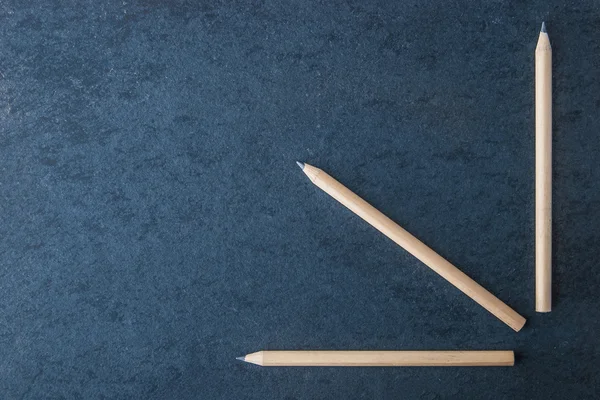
[[155, 226]]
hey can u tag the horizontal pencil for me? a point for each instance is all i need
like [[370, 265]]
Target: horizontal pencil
[[493, 358], [414, 246]]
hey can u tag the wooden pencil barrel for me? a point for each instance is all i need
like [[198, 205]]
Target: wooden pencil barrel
[[543, 174], [414, 246], [382, 358]]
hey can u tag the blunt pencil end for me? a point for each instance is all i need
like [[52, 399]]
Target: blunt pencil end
[[543, 30], [301, 165]]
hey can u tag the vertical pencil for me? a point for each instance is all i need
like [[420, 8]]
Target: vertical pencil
[[311, 358], [543, 173], [414, 246]]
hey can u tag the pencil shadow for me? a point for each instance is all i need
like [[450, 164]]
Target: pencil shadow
[[519, 357]]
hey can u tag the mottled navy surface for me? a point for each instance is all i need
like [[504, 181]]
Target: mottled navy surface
[[154, 224]]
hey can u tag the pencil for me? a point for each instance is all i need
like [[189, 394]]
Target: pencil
[[543, 173], [414, 246], [494, 358]]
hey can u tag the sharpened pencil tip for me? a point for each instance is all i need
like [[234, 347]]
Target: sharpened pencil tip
[[301, 165], [543, 30], [241, 358]]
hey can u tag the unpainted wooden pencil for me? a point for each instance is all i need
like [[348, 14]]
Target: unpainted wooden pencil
[[543, 173], [414, 246], [313, 358]]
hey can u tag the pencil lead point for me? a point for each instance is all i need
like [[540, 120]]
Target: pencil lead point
[[543, 30], [301, 165], [241, 358]]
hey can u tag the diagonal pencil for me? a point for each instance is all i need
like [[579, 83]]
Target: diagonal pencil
[[311, 358], [414, 246]]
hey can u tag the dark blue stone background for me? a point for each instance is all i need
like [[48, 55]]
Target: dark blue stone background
[[154, 225]]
